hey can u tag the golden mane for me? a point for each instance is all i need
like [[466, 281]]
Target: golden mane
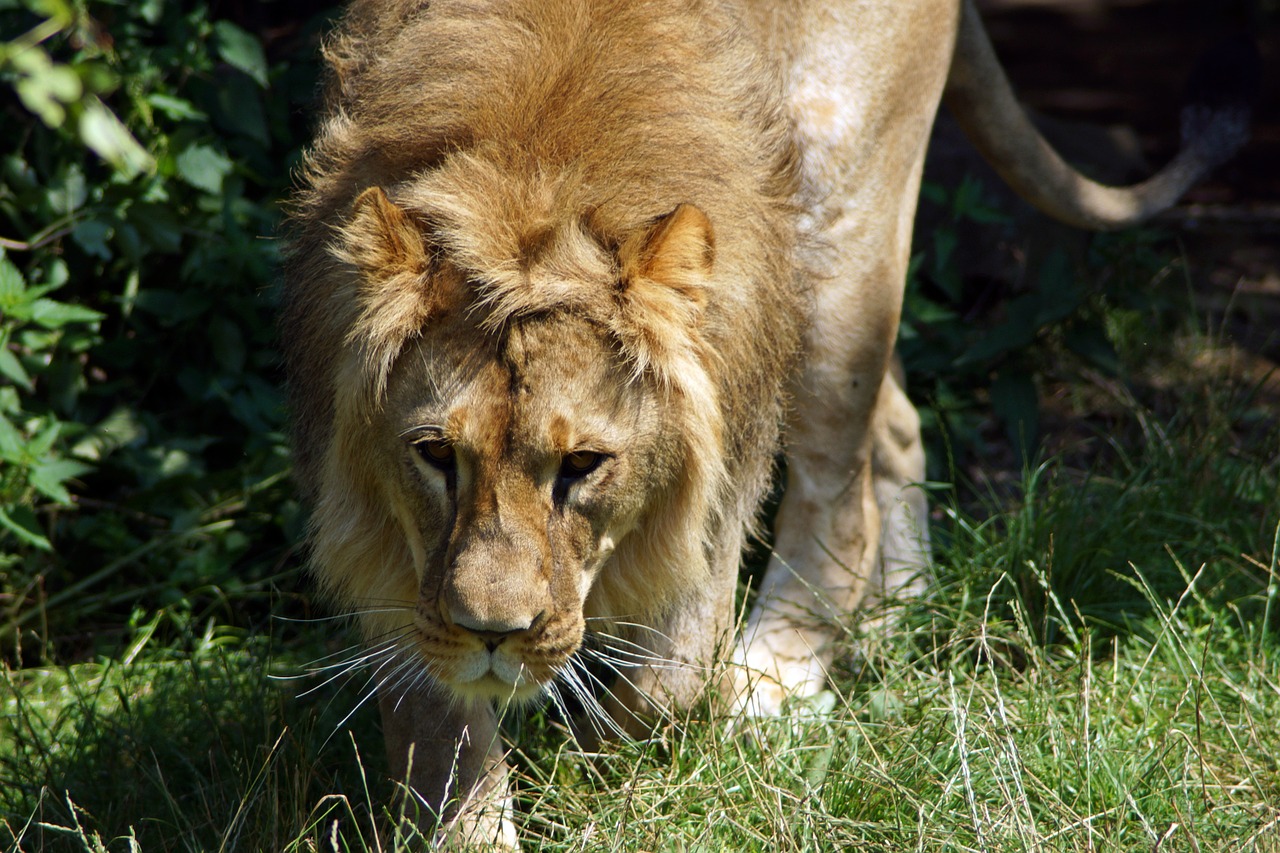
[[539, 180]]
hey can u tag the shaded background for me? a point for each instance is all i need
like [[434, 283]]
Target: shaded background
[[1105, 80], [1109, 62], [1124, 61]]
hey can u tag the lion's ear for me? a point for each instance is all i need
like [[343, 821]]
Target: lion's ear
[[678, 251], [662, 292], [381, 239], [394, 289]]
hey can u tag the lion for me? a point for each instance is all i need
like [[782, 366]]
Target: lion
[[562, 280]]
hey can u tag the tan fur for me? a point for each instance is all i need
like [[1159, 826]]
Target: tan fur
[[642, 237]]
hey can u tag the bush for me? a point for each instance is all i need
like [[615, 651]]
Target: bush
[[141, 444]]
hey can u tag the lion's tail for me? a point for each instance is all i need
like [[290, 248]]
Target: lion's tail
[[1215, 123]]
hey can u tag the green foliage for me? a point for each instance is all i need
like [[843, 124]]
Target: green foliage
[[31, 467], [141, 427], [61, 93], [973, 344]]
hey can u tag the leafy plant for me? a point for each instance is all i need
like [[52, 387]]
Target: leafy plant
[[141, 432], [973, 344], [60, 93], [32, 467]]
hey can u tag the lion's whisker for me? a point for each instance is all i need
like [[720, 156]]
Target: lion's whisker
[[601, 721], [346, 667], [621, 669], [353, 654], [553, 696], [613, 723], [308, 620], [370, 688], [373, 607], [408, 677], [620, 622], [607, 651], [638, 655]]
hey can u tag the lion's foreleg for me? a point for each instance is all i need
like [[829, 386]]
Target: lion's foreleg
[[674, 658], [451, 757], [828, 528], [863, 87], [825, 555], [843, 542]]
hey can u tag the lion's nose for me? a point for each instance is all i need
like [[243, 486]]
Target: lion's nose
[[495, 585], [492, 631]]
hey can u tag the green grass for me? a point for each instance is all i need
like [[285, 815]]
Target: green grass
[[1070, 685], [194, 750], [1097, 667]]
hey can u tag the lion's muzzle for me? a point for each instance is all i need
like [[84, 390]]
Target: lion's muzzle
[[497, 623], [497, 581]]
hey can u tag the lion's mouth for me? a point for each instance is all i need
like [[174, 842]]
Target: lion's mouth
[[494, 675], [474, 666]]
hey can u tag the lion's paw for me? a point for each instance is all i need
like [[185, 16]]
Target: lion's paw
[[762, 681], [486, 830]]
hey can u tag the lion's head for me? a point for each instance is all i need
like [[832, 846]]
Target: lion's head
[[536, 358], [521, 431]]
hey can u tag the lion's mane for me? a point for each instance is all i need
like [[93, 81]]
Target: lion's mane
[[529, 143]]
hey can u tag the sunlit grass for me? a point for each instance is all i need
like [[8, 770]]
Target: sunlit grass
[[1096, 668], [1017, 708]]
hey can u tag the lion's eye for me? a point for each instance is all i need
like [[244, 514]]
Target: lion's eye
[[579, 464], [436, 451]]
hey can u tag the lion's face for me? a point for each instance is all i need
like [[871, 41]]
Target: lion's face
[[516, 447], [515, 468], [537, 357]]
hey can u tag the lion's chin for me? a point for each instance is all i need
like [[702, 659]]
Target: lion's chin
[[489, 677], [490, 688]]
